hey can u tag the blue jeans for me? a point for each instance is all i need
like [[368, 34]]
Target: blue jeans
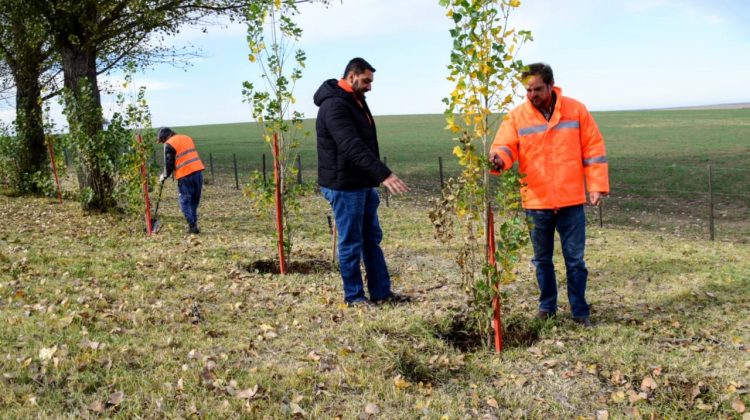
[[356, 214], [190, 187], [570, 223]]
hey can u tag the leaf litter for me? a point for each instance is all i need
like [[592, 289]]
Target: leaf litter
[[139, 313]]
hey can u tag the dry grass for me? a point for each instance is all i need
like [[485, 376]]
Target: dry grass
[[98, 320]]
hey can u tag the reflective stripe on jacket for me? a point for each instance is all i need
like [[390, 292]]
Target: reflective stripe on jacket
[[186, 157], [560, 157]]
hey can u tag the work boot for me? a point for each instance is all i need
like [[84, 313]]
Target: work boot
[[543, 315], [394, 298], [193, 228], [361, 303], [584, 322]]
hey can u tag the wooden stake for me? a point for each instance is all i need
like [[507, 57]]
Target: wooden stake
[[146, 199], [279, 204], [54, 167]]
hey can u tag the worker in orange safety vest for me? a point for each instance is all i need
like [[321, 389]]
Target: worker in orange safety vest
[[561, 152], [181, 158]]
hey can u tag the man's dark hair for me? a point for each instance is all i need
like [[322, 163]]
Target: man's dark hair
[[164, 134], [539, 69], [358, 66]]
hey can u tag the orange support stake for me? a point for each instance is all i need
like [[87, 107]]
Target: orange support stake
[[54, 167], [279, 214], [497, 323], [146, 199]]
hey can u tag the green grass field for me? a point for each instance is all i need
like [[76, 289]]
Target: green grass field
[[98, 320], [658, 162], [670, 147]]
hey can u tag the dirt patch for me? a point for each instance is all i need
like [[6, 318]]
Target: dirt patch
[[517, 332], [308, 266]]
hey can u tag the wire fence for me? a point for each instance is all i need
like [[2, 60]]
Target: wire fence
[[697, 201], [701, 201]]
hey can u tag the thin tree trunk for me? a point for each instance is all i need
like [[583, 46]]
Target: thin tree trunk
[[26, 68]]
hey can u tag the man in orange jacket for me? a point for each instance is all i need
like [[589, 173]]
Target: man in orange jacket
[[181, 157], [561, 153]]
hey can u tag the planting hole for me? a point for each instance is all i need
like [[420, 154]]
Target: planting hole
[[296, 266]]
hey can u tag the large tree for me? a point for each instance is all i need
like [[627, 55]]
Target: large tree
[[26, 53], [93, 34]]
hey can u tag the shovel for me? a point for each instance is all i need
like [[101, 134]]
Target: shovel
[[155, 225]]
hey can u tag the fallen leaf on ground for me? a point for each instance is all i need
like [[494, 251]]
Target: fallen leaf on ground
[[116, 398], [371, 409], [635, 397], [738, 406], [96, 407], [492, 402], [602, 415], [618, 397], [47, 353], [247, 393], [400, 383], [297, 410], [648, 384]]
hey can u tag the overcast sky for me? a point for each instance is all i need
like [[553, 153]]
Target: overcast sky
[[609, 54]]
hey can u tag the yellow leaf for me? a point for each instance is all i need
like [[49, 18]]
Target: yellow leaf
[[618, 397], [514, 3], [400, 383], [458, 151]]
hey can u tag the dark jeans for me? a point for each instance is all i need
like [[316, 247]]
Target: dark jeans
[[190, 187], [570, 223], [356, 214]]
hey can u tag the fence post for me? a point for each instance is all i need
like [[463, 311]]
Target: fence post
[[440, 164], [236, 176], [387, 204], [67, 156], [211, 163], [601, 223], [299, 170], [711, 228], [265, 181]]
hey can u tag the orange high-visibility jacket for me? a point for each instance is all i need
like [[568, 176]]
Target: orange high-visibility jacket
[[186, 157], [560, 157]]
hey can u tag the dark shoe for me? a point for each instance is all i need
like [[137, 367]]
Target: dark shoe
[[584, 322], [362, 303], [394, 298], [193, 228], [545, 315]]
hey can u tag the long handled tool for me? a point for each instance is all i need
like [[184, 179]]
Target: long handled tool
[[155, 225]]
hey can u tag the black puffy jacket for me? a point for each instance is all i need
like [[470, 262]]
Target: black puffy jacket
[[348, 156]]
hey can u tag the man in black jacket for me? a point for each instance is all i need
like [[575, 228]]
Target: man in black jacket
[[349, 172]]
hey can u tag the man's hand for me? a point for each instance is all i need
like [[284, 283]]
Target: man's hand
[[162, 178], [595, 197], [395, 185], [496, 160]]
